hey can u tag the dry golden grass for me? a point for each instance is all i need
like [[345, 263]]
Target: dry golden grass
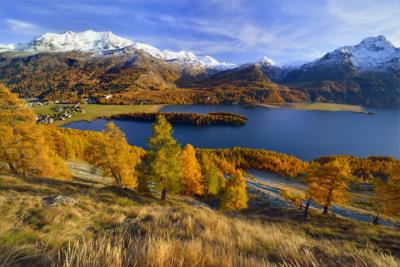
[[113, 227]]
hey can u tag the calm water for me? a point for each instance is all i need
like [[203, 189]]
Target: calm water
[[302, 133]]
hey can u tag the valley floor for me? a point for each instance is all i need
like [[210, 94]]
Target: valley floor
[[94, 223]]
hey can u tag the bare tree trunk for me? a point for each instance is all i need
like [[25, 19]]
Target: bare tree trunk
[[305, 212], [325, 211], [164, 194], [12, 168], [376, 219], [328, 202]]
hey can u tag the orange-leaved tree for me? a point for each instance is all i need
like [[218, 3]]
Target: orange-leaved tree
[[235, 196], [387, 195], [192, 179], [112, 154], [295, 198], [24, 149], [327, 183]]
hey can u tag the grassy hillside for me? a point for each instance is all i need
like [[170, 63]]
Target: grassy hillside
[[94, 111], [109, 226]]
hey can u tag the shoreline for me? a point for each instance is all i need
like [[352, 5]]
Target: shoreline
[[98, 111], [108, 110], [317, 106]]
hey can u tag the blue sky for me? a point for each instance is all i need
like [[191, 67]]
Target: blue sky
[[230, 30]]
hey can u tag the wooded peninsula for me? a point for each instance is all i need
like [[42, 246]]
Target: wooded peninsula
[[212, 118]]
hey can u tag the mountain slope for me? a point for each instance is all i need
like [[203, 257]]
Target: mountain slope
[[81, 73], [366, 74], [79, 64]]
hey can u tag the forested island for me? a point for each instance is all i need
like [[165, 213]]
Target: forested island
[[212, 118]]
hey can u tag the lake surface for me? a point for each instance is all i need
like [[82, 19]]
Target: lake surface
[[303, 133]]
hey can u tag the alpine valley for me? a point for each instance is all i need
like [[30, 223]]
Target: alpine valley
[[74, 66]]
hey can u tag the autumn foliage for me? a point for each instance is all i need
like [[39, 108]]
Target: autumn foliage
[[235, 196], [114, 156], [328, 183], [192, 179], [164, 166], [387, 195], [246, 158], [24, 149]]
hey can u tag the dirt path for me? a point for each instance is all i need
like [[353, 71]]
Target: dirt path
[[269, 186]]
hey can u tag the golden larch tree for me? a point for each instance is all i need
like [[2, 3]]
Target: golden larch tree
[[387, 195], [235, 196], [192, 179], [214, 179], [327, 183], [163, 165], [24, 149], [112, 154], [295, 198]]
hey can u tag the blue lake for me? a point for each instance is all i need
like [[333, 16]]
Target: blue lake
[[302, 133]]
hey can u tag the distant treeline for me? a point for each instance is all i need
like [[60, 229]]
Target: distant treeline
[[368, 170], [226, 95], [213, 118], [260, 159]]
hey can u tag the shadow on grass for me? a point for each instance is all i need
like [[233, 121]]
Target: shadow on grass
[[75, 188], [322, 227], [141, 198]]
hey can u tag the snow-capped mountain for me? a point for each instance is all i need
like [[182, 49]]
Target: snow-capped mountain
[[372, 53], [266, 61], [107, 43], [367, 73]]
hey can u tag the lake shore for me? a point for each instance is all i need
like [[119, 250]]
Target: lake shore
[[319, 106], [96, 111]]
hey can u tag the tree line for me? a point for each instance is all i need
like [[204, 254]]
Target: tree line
[[213, 118], [260, 159], [214, 96]]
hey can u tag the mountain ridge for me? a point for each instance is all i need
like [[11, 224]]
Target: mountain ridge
[[364, 74], [104, 42]]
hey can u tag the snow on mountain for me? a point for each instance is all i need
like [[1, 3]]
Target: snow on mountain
[[266, 61], [295, 64], [107, 43], [155, 52], [372, 53], [77, 41]]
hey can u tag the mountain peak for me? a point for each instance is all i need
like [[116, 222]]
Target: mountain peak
[[376, 43], [266, 60], [372, 53], [107, 43], [87, 41]]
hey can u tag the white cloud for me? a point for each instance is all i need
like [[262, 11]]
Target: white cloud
[[87, 7], [23, 27]]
